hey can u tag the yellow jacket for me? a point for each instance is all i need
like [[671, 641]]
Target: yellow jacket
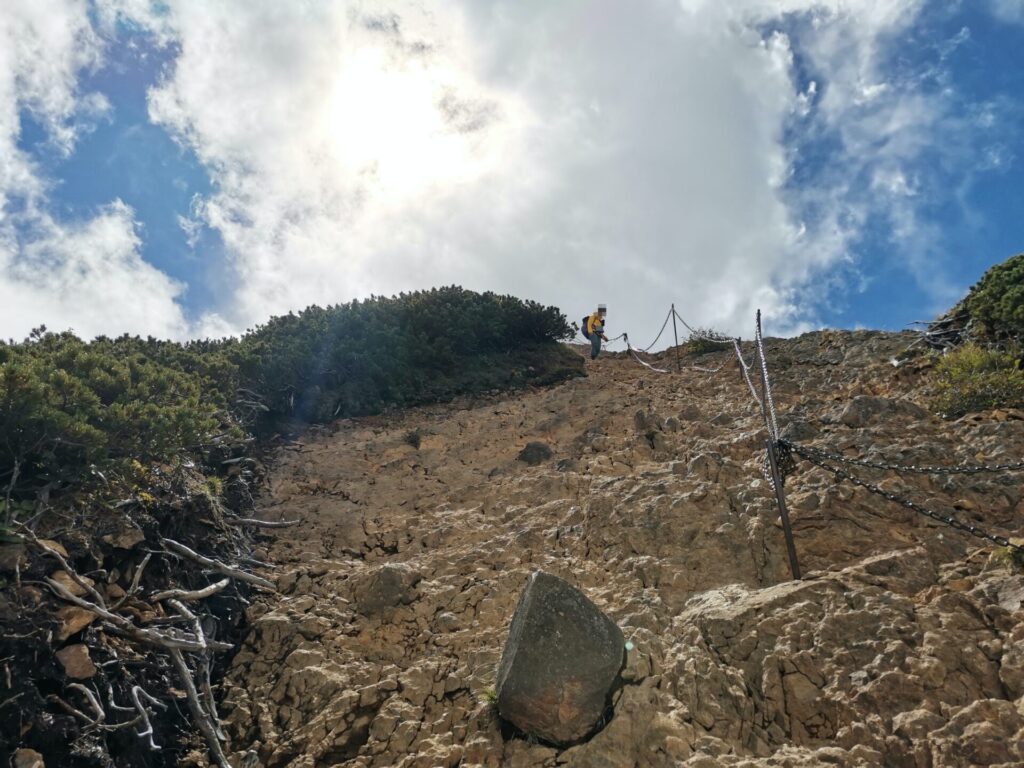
[[595, 324]]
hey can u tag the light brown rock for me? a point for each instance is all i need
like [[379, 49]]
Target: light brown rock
[[73, 619], [76, 662]]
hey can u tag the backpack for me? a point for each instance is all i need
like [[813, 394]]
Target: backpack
[[583, 326]]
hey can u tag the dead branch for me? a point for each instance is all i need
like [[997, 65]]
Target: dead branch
[[147, 733], [67, 568], [263, 523], [141, 634], [199, 715], [93, 701], [70, 709], [136, 580], [217, 565], [190, 595]]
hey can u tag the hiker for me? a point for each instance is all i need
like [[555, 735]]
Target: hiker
[[593, 329]]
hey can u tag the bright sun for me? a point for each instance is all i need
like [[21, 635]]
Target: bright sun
[[385, 120]]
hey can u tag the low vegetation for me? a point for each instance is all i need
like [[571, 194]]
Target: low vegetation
[[972, 378], [74, 412]]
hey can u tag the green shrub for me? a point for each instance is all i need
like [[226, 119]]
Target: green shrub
[[361, 358], [704, 340], [973, 378], [995, 305], [69, 409]]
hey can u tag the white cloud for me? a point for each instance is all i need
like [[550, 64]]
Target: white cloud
[[88, 277], [638, 155], [88, 274], [1008, 10], [634, 156]]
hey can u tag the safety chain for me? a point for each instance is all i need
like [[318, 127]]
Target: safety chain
[[952, 522], [784, 462], [773, 426], [960, 469], [746, 371], [715, 337], [663, 327]]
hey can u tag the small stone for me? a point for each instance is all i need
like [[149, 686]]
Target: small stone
[[76, 662], [126, 538], [73, 620], [72, 586], [28, 758], [56, 546]]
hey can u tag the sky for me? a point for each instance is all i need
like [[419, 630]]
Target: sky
[[187, 169]]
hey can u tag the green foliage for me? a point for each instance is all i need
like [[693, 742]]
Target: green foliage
[[429, 346], [973, 378], [996, 304], [72, 412], [69, 409], [700, 344]]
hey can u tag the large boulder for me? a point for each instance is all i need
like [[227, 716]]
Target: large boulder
[[388, 587], [560, 664]]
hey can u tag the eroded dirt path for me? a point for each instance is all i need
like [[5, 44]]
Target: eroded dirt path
[[903, 647]]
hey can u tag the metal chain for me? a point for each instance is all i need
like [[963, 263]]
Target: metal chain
[[716, 337], [785, 463], [961, 469], [952, 522], [773, 427], [663, 327], [746, 371]]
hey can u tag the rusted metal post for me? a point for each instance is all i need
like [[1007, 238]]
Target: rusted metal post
[[679, 365], [780, 497]]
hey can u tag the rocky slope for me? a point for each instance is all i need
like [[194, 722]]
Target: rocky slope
[[903, 645]]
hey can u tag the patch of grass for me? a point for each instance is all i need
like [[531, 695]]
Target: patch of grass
[[974, 378]]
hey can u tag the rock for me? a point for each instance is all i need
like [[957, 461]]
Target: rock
[[72, 620], [387, 587], [56, 546], [12, 557], [864, 409], [28, 758], [534, 453], [126, 538], [560, 663], [76, 662], [72, 586]]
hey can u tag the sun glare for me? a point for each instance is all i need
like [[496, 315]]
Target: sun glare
[[385, 121]]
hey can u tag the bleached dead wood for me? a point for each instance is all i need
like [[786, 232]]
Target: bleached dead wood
[[217, 565]]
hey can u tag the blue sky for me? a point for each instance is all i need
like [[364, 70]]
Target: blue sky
[[190, 170]]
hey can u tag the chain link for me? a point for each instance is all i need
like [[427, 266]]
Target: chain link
[[923, 469], [663, 327], [952, 522], [773, 426], [746, 371]]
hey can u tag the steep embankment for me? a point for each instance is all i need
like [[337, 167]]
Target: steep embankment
[[904, 645]]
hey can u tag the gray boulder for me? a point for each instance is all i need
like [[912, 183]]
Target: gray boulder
[[560, 664], [534, 453], [390, 586]]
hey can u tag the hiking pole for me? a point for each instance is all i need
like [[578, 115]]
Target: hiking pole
[[780, 497], [679, 365]]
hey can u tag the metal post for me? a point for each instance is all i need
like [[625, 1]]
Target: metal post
[[679, 365], [780, 497]]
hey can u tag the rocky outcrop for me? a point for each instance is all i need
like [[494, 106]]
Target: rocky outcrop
[[560, 662], [901, 647]]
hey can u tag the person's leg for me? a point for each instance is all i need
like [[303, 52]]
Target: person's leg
[[595, 346]]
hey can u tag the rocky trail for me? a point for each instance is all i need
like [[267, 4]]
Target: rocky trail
[[902, 646]]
